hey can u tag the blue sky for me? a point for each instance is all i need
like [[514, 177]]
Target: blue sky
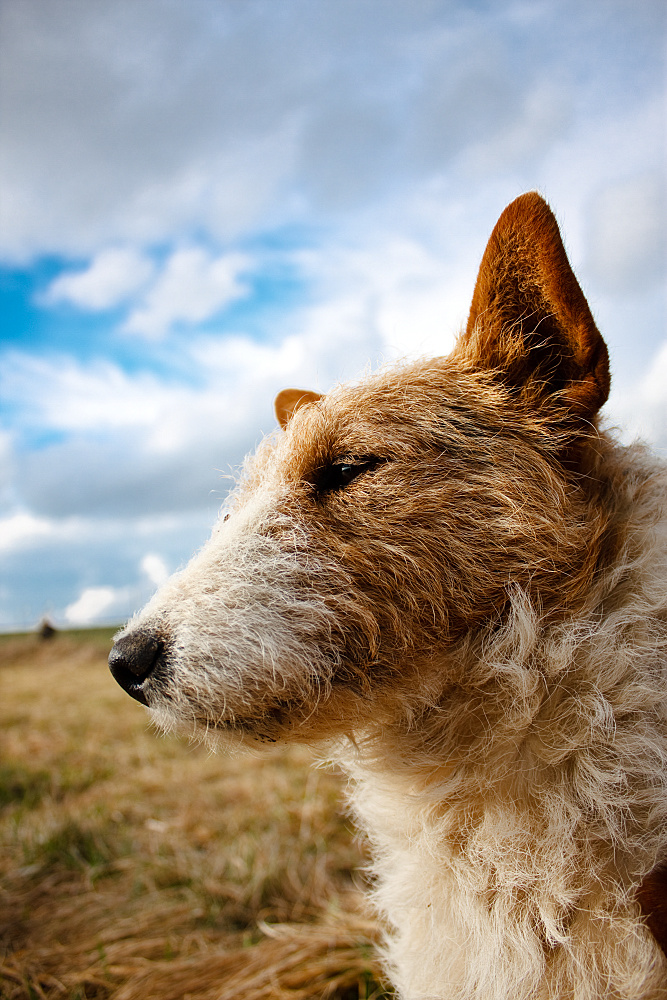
[[203, 203]]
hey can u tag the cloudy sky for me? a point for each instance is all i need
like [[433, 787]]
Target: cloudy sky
[[206, 201]]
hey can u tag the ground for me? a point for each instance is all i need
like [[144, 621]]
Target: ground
[[134, 865]]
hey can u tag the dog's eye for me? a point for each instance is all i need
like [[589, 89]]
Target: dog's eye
[[337, 477], [345, 473]]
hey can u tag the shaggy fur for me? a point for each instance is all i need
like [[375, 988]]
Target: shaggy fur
[[452, 575]]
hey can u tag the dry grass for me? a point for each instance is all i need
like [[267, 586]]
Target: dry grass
[[136, 866]]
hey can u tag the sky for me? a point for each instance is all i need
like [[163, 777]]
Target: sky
[[205, 202]]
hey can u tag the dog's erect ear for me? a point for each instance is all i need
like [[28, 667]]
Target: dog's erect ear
[[288, 402], [529, 319]]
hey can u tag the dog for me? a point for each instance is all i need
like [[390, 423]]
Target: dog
[[454, 578]]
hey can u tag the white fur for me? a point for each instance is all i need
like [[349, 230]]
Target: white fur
[[242, 628]]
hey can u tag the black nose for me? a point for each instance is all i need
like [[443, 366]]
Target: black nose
[[133, 659]]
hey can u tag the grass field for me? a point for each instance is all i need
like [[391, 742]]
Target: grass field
[[135, 866]]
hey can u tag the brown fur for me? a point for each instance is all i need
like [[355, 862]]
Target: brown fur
[[529, 317]]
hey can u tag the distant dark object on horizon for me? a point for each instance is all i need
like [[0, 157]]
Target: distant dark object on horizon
[[46, 630]]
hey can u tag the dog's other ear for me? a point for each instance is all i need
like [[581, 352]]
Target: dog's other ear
[[288, 402], [529, 320]]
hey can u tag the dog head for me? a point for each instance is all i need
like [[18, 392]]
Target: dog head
[[389, 520]]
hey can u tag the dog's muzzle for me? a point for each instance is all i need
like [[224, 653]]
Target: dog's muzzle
[[133, 660]]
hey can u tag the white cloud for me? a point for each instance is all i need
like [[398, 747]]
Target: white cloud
[[133, 442], [112, 277], [641, 408], [63, 394], [7, 469], [385, 136], [23, 529], [627, 245], [191, 289], [51, 560], [395, 297], [93, 604], [590, 175], [155, 568], [147, 122]]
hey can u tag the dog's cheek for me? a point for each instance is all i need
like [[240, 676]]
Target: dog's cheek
[[408, 581], [431, 557]]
